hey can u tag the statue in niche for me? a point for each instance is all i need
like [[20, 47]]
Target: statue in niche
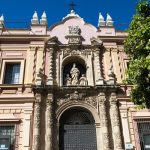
[[83, 80], [74, 75], [68, 80]]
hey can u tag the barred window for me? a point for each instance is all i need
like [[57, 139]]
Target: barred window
[[143, 126], [7, 137]]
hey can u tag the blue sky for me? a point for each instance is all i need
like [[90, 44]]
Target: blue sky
[[18, 13]]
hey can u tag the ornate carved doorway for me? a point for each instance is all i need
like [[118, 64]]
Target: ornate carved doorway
[[77, 131]]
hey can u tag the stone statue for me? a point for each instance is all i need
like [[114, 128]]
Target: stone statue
[[68, 80], [74, 75], [83, 80]]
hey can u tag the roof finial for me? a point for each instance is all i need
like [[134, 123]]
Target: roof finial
[[101, 21], [1, 21], [35, 19], [109, 21], [72, 6], [43, 20]]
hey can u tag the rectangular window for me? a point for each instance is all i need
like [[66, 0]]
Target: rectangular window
[[12, 73], [7, 137], [143, 126]]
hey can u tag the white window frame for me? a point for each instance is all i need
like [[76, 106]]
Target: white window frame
[[22, 65]]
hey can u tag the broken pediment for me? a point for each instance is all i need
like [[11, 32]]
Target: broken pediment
[[96, 41], [53, 41]]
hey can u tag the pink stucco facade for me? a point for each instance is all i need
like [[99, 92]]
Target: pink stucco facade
[[36, 106]]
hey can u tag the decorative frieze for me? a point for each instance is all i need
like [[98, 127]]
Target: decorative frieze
[[76, 52], [92, 100], [78, 97]]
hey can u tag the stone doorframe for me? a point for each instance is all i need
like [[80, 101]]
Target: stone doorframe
[[88, 107]]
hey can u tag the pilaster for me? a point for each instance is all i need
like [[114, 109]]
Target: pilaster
[[36, 125], [114, 113], [49, 122], [26, 128], [104, 121]]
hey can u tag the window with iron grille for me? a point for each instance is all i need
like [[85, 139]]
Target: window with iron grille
[[143, 126], [12, 73], [7, 137]]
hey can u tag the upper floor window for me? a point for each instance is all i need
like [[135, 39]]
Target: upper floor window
[[12, 73]]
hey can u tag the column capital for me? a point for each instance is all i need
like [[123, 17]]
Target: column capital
[[37, 97], [101, 98], [113, 98]]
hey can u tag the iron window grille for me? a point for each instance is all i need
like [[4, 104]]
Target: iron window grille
[[143, 132], [7, 137]]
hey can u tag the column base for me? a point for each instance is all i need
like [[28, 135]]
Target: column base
[[49, 82], [100, 81], [111, 82], [26, 148]]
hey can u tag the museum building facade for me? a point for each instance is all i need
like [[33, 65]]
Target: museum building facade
[[61, 88]]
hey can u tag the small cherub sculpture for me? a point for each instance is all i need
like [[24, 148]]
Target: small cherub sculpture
[[68, 80], [83, 80]]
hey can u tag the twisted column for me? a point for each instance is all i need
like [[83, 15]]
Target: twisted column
[[104, 121], [49, 122], [99, 80], [50, 75], [118, 144], [36, 131]]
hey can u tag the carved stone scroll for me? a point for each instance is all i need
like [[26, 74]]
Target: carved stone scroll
[[36, 132], [49, 122], [104, 121], [118, 144]]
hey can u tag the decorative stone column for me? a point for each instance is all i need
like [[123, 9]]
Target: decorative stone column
[[50, 75], [36, 125], [104, 121], [99, 80], [49, 122], [114, 112]]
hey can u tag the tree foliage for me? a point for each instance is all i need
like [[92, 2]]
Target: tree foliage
[[137, 46]]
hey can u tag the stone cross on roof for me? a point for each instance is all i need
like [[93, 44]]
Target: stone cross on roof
[[72, 6]]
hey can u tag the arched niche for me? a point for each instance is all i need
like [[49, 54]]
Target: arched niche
[[68, 64]]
